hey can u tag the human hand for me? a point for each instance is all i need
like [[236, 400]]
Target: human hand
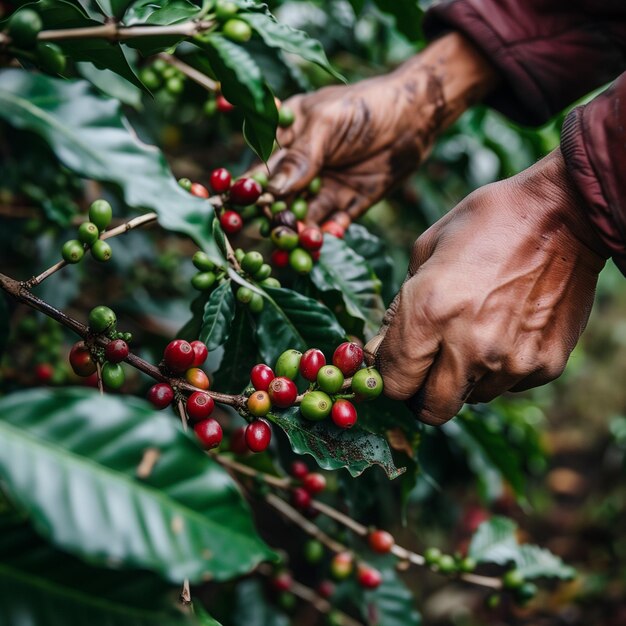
[[364, 138], [497, 294]]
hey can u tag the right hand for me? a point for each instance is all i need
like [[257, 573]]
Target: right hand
[[363, 139]]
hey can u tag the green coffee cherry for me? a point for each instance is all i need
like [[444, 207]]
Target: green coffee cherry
[[203, 281], [316, 406], [175, 85], [270, 282], [467, 565], [101, 319], [525, 593], [50, 58], [150, 78], [265, 228], [249, 212], [263, 272], [313, 551], [288, 364], [100, 213], [72, 251], [23, 28], [239, 254], [446, 564], [257, 303], [113, 375], [225, 10], [88, 233], [300, 208], [185, 183], [244, 295], [286, 117], [513, 579], [202, 261], [261, 178], [315, 185], [330, 379], [252, 262], [101, 251], [210, 107], [367, 383], [237, 30], [301, 261], [278, 206], [432, 556]]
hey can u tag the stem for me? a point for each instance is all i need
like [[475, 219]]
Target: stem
[[183, 414], [191, 72], [20, 293], [99, 376], [240, 468], [185, 593]]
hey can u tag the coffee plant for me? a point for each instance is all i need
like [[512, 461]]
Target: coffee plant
[[191, 429]]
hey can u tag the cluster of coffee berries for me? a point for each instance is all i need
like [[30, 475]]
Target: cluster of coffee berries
[[23, 28], [160, 75], [209, 274], [447, 563], [256, 270], [342, 567], [100, 214], [522, 590], [84, 357]]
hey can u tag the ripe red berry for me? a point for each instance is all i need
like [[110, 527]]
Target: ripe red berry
[[245, 191], [238, 443], [298, 470], [116, 351], [44, 372], [220, 180], [160, 395], [209, 432], [326, 589], [199, 190], [282, 581], [343, 414], [341, 565], [335, 229], [300, 498], [311, 363], [368, 577], [314, 483], [81, 360], [283, 392], [178, 355], [231, 222], [280, 258], [380, 541], [200, 352], [199, 406], [223, 106], [261, 376], [311, 238], [258, 435], [348, 358], [198, 378]]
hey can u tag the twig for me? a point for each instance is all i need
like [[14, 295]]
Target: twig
[[185, 593], [191, 72], [183, 414], [99, 377], [240, 468]]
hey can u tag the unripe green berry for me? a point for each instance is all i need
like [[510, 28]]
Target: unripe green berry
[[88, 233], [210, 107], [284, 238], [203, 261], [101, 319], [316, 405], [278, 206], [237, 30], [263, 272], [100, 213], [244, 295], [467, 565], [525, 593], [50, 58], [72, 251], [330, 379], [313, 551], [101, 251], [367, 383], [239, 254], [300, 208], [265, 228], [150, 78], [261, 178], [270, 282], [175, 85], [512, 579], [315, 185], [252, 262], [446, 564], [113, 375], [288, 364], [203, 281], [286, 117], [23, 28], [225, 9], [257, 303], [185, 183], [432, 556]]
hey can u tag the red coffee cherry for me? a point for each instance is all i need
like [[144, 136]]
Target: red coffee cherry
[[178, 355], [283, 392], [198, 378], [199, 406], [282, 581], [326, 589], [311, 363], [341, 565], [343, 414], [335, 229], [199, 190], [380, 541], [81, 360], [160, 395], [258, 435], [44, 372], [259, 404], [311, 238], [245, 191], [209, 432], [314, 483], [231, 222], [223, 106], [238, 443], [298, 470], [348, 358], [200, 353], [368, 577], [220, 180], [300, 498], [261, 376], [280, 258], [116, 351]]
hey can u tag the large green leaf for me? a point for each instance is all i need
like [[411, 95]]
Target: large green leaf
[[41, 586], [291, 320], [219, 314], [332, 447], [344, 274], [243, 85], [114, 8], [69, 458], [90, 136], [408, 16], [495, 541], [253, 609], [282, 36]]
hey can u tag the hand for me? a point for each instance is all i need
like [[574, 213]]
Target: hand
[[362, 139], [497, 295]]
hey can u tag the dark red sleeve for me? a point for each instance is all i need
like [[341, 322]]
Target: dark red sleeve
[[549, 52]]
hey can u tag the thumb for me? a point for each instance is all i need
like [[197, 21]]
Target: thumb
[[296, 167]]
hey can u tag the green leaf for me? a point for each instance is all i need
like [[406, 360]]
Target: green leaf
[[105, 55], [408, 16], [243, 85], [219, 314], [495, 541], [114, 8], [253, 609], [204, 619], [346, 275], [278, 35], [41, 586], [91, 137], [191, 330], [332, 447], [291, 320], [69, 458], [111, 84]]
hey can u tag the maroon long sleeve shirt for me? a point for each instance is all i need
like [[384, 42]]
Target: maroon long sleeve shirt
[[551, 53]]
